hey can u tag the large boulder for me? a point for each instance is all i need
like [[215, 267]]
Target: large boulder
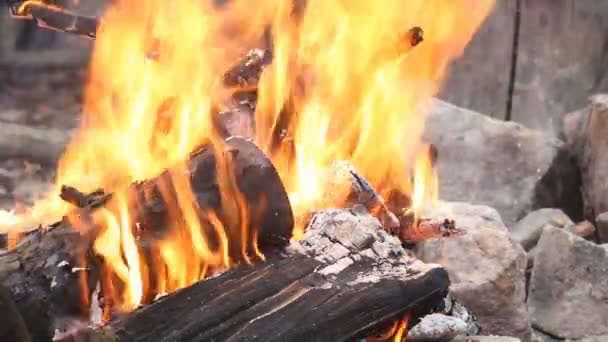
[[485, 265], [568, 295], [500, 164]]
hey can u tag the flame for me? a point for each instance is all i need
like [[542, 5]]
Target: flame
[[348, 89], [344, 84]]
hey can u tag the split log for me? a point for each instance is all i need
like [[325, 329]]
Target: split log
[[36, 144], [45, 273], [345, 278]]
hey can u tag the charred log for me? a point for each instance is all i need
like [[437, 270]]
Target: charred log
[[246, 73], [43, 276], [52, 273], [344, 279], [55, 18], [246, 172]]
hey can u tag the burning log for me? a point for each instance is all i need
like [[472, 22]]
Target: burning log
[[55, 18], [345, 278], [47, 273], [256, 179], [246, 73]]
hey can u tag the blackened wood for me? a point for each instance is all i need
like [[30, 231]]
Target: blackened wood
[[246, 73], [12, 326], [345, 278], [269, 213], [43, 275], [55, 18], [283, 300]]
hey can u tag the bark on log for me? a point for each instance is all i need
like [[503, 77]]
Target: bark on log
[[36, 144], [269, 210], [44, 273], [342, 280]]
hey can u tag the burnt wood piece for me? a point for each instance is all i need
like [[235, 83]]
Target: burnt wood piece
[[246, 73], [237, 118], [345, 278], [43, 276], [82, 200], [344, 185], [56, 18], [13, 327]]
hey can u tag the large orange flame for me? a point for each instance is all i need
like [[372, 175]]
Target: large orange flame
[[343, 85]]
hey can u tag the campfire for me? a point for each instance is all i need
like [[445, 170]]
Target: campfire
[[243, 173]]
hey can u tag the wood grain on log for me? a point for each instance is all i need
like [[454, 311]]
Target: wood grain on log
[[344, 278]]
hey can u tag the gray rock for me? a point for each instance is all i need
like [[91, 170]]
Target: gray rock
[[486, 268], [437, 327], [485, 339], [602, 338], [568, 295], [601, 223], [527, 231], [593, 160], [500, 164], [539, 336]]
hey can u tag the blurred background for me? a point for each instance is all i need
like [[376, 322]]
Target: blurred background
[[533, 61]]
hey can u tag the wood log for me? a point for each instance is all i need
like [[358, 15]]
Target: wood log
[[45, 273], [269, 211], [43, 276], [55, 18], [36, 144], [14, 328], [342, 280]]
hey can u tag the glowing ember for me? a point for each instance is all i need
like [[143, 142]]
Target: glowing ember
[[343, 85]]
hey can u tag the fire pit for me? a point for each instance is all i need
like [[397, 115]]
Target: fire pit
[[270, 199]]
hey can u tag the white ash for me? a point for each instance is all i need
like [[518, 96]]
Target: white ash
[[455, 309], [437, 327], [341, 237], [95, 310], [63, 263], [337, 267]]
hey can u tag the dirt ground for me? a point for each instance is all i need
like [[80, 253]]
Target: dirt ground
[[49, 98]]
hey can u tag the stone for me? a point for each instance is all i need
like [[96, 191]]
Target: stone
[[500, 164], [527, 231], [492, 338], [568, 295], [437, 327], [602, 338], [593, 161], [539, 336], [486, 267], [601, 222]]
